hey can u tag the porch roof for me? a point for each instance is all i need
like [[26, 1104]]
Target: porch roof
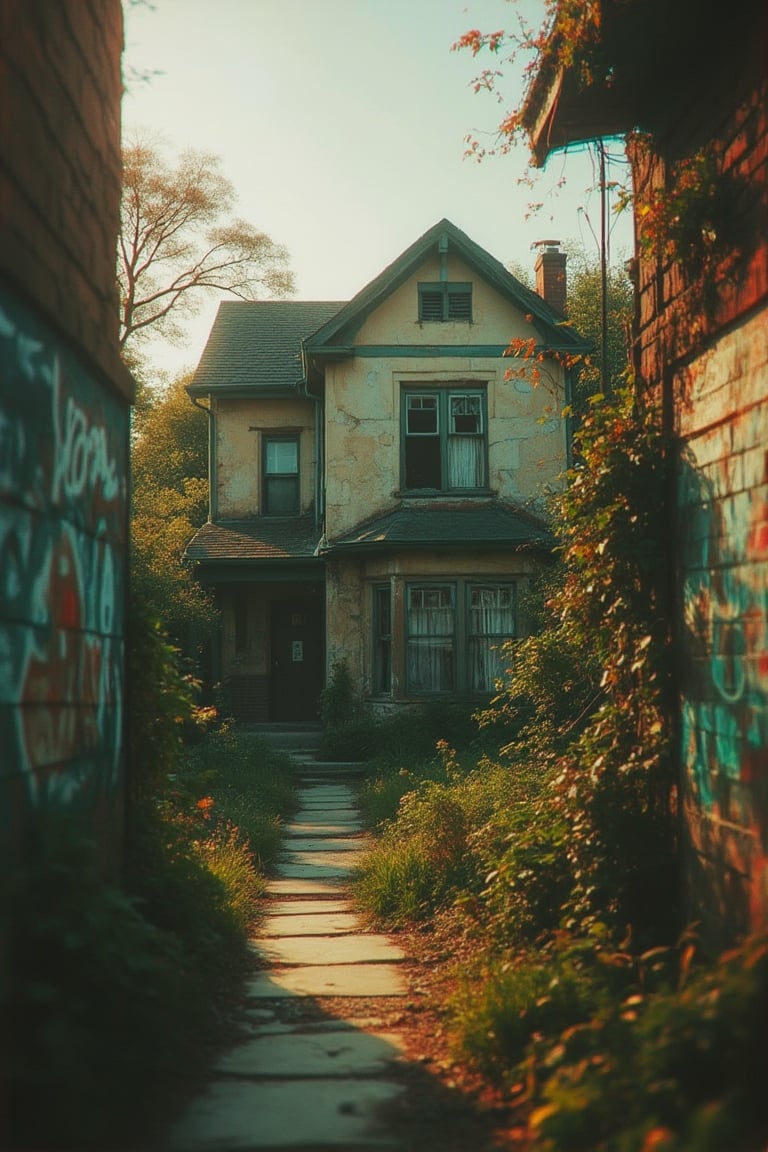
[[456, 524], [260, 539]]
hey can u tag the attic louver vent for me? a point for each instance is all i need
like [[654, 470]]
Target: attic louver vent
[[431, 306], [459, 305], [440, 302]]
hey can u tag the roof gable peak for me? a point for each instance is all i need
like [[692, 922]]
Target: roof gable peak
[[443, 237]]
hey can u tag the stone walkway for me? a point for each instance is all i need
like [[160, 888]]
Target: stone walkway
[[315, 1069]]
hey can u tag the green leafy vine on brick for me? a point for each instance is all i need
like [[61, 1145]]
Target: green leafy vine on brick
[[588, 694], [691, 219]]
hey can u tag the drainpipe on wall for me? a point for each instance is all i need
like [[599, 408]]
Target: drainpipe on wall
[[319, 469], [212, 502]]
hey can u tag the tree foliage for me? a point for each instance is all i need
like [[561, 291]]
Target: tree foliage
[[584, 312], [170, 501], [568, 36], [179, 240]]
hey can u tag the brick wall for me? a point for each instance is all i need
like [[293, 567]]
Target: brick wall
[[64, 418], [60, 91], [702, 345]]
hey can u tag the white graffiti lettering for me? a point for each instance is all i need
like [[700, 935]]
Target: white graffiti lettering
[[82, 459]]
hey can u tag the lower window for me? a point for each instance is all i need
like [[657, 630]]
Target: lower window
[[453, 636], [431, 628], [492, 621]]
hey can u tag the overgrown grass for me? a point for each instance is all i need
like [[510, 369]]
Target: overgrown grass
[[436, 823], [604, 1046], [120, 991]]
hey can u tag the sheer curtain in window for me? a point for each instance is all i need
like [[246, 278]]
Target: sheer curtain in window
[[491, 622], [465, 442], [430, 639], [465, 462]]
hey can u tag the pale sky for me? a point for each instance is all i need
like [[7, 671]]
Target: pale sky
[[341, 124]]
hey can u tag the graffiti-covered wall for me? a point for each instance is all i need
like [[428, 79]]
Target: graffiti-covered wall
[[702, 345], [723, 506], [63, 499], [64, 410]]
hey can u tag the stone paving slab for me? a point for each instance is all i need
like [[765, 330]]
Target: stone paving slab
[[297, 1054], [307, 907], [297, 833], [322, 859], [318, 924], [304, 886], [323, 815], [349, 821], [365, 949], [237, 1114], [329, 980], [312, 871], [325, 790], [324, 844]]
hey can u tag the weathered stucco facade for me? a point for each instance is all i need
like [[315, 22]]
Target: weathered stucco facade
[[382, 506]]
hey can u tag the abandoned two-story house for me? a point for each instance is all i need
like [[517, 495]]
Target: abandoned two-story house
[[378, 478]]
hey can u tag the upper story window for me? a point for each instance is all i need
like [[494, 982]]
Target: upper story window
[[280, 476], [444, 301], [444, 438]]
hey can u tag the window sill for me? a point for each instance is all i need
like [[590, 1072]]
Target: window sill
[[432, 494]]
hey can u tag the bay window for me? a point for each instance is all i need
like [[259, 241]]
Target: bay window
[[492, 621], [430, 625], [451, 635]]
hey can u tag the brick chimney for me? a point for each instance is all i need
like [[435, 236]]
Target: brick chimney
[[551, 280]]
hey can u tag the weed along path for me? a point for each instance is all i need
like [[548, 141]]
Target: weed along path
[[322, 1060]]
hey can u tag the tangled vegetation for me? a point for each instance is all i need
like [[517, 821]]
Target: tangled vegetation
[[101, 970], [598, 1014]]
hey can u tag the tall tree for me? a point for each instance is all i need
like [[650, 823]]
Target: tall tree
[[179, 240], [170, 501], [585, 313]]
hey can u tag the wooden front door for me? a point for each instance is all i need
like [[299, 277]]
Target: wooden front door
[[297, 660]]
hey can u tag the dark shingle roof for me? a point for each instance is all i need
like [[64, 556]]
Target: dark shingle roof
[[461, 523], [261, 539], [256, 344]]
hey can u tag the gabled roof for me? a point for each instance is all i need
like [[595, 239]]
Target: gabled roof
[[258, 539], [340, 329], [256, 345], [454, 524]]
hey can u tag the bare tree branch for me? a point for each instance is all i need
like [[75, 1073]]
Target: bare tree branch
[[178, 241]]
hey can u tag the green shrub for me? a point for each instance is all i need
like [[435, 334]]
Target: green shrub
[[179, 893], [357, 737], [396, 885], [503, 1004], [380, 794], [227, 856], [94, 986], [354, 733], [679, 1070], [250, 785]]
